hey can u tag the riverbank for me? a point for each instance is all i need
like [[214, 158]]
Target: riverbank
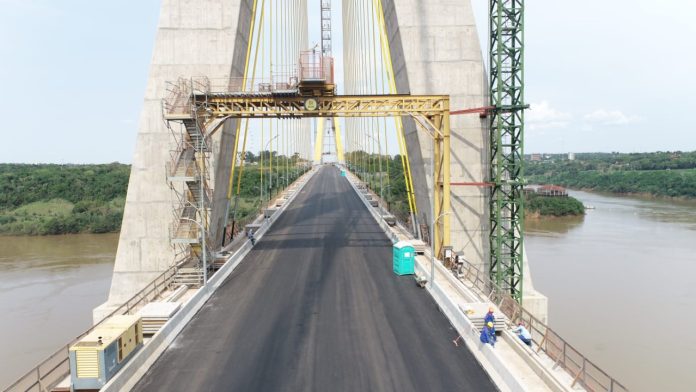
[[52, 199], [658, 174]]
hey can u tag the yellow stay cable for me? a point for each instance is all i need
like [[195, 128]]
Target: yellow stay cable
[[253, 78], [246, 70], [399, 125], [374, 91]]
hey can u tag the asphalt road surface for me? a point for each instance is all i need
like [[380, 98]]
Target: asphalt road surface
[[315, 306]]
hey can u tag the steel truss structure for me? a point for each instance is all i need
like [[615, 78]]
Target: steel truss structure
[[506, 144], [431, 112]]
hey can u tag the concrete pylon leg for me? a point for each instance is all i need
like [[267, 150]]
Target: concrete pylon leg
[[436, 52], [193, 38]]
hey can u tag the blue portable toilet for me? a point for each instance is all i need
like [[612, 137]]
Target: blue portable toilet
[[404, 258], [343, 173]]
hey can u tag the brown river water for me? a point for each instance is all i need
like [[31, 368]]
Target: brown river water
[[48, 287], [621, 284]]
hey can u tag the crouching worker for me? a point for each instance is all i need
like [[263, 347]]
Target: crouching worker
[[523, 334], [488, 334]]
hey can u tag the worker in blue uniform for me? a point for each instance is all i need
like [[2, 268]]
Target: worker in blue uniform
[[489, 317], [488, 334]]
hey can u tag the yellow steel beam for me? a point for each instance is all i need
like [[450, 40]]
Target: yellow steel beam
[[223, 105], [433, 108], [446, 175]]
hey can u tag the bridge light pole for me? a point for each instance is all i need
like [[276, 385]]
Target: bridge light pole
[[270, 174], [203, 248], [379, 148], [432, 246]]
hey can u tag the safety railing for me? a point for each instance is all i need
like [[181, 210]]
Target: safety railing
[[56, 367], [583, 371], [285, 81], [182, 165], [178, 96]]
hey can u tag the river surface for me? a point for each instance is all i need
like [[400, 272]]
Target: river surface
[[48, 287], [621, 284]]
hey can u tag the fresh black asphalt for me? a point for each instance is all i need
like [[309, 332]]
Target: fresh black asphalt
[[315, 306]]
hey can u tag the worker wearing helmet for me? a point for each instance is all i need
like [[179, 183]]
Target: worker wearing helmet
[[489, 317], [488, 334]]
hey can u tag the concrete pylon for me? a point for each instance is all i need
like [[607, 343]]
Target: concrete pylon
[[194, 38], [435, 49]]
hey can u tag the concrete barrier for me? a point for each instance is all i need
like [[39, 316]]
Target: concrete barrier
[[133, 371]]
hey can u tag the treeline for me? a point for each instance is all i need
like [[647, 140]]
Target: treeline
[[61, 199], [668, 174], [384, 174]]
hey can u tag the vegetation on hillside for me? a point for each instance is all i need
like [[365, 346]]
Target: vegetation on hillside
[[59, 199], [668, 174], [63, 199]]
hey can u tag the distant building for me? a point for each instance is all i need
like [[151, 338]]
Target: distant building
[[536, 157], [571, 156]]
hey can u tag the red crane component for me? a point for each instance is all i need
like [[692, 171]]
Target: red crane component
[[471, 184], [482, 111]]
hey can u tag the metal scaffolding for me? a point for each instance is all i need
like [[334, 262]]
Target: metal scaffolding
[[507, 144]]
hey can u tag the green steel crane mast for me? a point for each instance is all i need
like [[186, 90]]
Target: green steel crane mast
[[507, 144]]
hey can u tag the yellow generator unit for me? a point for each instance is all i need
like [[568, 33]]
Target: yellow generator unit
[[101, 353]]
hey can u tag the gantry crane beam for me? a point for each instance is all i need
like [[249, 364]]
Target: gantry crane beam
[[433, 110], [218, 105]]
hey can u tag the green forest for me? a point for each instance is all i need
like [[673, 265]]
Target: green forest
[[385, 176], [59, 199], [65, 199], [661, 174]]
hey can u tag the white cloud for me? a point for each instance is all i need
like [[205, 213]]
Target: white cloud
[[543, 116], [610, 117]]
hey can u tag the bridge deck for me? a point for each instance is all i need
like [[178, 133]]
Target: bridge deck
[[315, 306]]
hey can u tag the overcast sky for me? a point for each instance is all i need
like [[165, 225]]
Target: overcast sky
[[600, 76]]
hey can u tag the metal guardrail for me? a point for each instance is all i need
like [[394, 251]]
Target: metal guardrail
[[584, 371], [56, 367]]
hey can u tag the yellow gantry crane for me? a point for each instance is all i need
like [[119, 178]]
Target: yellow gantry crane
[[431, 112]]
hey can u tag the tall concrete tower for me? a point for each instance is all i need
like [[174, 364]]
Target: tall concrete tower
[[194, 38], [434, 48]]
